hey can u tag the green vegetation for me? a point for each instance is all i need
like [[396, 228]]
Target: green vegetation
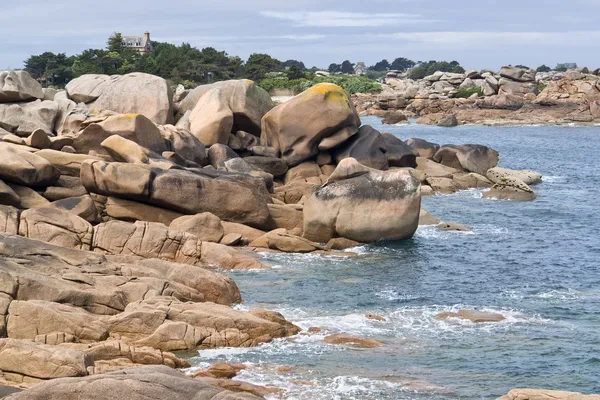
[[424, 69], [541, 86], [543, 68], [351, 83], [466, 93]]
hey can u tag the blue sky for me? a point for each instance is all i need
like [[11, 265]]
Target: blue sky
[[479, 34]]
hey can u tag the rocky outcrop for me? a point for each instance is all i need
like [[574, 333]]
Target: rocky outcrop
[[363, 204], [136, 93], [367, 147], [135, 127], [333, 120], [282, 240], [23, 167], [423, 148], [183, 143], [18, 86], [102, 285], [8, 196], [23, 119], [154, 240], [211, 120], [168, 324], [398, 153], [157, 382], [56, 226], [205, 226], [468, 157], [38, 361], [528, 177], [510, 188], [9, 220], [181, 190]]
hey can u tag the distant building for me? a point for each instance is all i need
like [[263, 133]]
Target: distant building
[[140, 43], [360, 68], [566, 66]]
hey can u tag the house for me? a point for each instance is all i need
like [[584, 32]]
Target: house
[[140, 43], [360, 68]]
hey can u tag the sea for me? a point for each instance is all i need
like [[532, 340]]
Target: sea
[[537, 263]]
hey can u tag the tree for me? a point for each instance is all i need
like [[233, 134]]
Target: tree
[[382, 65], [334, 68], [50, 69], [294, 73], [260, 64], [424, 69], [402, 64], [522, 66], [115, 43], [543, 68], [347, 67], [290, 63]]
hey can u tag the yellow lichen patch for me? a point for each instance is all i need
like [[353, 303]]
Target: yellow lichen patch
[[129, 116], [330, 92]]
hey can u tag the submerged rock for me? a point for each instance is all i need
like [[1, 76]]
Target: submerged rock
[[425, 218], [544, 394], [453, 226], [472, 315], [510, 188], [352, 341]]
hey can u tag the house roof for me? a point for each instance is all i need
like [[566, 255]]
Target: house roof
[[133, 40]]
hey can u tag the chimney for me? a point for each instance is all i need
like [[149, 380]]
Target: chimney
[[147, 37]]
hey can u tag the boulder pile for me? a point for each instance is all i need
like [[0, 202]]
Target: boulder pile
[[118, 201], [510, 96]]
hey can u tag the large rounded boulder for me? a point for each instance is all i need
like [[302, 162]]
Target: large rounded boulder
[[363, 204], [136, 93], [18, 86], [240, 105], [318, 119]]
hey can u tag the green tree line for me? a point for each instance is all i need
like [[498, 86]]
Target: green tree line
[[183, 64]]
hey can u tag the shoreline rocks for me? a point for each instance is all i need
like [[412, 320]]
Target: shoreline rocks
[[115, 211], [511, 96]]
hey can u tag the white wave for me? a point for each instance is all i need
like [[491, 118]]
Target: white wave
[[558, 295], [303, 386], [431, 232], [223, 352], [295, 260], [554, 179], [393, 295]]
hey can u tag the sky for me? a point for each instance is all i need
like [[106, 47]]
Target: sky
[[477, 33]]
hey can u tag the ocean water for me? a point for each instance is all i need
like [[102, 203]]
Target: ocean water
[[538, 263]]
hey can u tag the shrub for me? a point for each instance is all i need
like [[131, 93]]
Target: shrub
[[351, 84], [541, 86], [466, 93]]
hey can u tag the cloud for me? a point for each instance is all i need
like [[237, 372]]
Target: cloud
[[241, 39], [470, 39], [344, 19]]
